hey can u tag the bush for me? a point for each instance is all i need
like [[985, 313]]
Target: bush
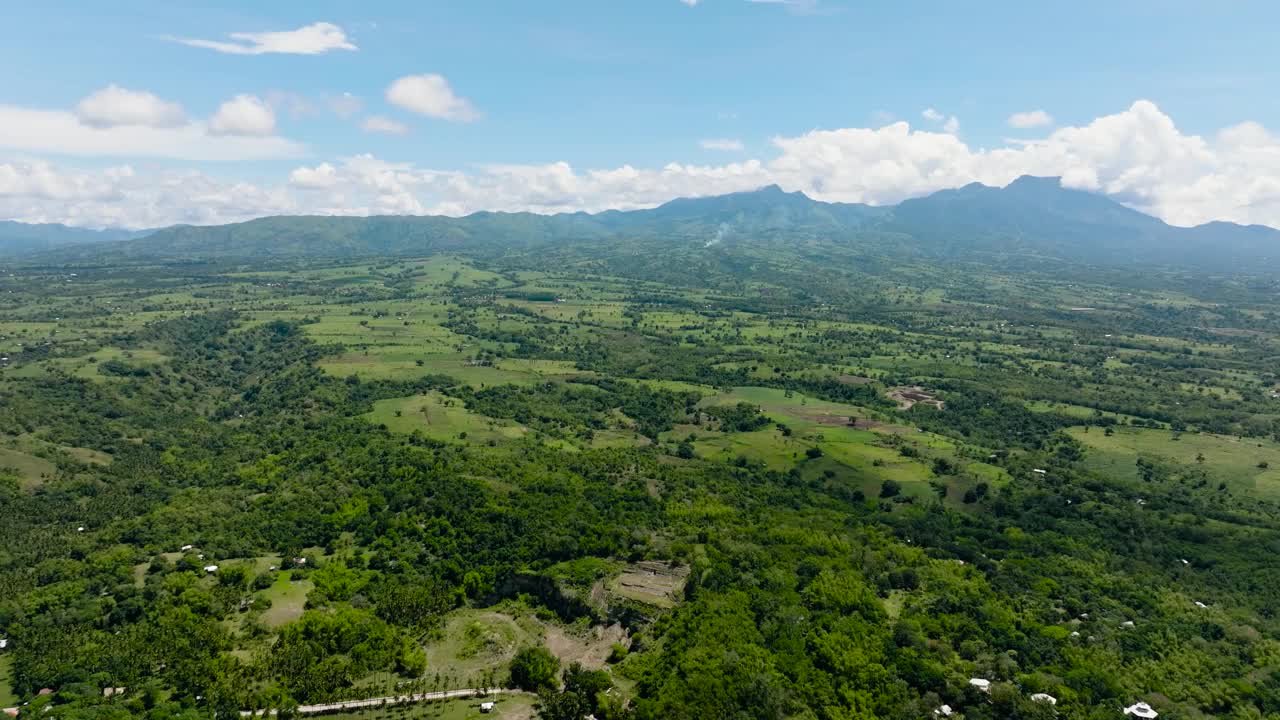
[[534, 669]]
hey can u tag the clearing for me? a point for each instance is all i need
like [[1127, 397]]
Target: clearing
[[1251, 466], [288, 599], [443, 418]]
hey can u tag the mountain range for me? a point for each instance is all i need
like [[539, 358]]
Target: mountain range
[[18, 238], [1032, 219]]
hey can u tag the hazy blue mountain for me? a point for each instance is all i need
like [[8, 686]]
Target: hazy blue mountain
[[1038, 217], [1031, 219], [21, 238]]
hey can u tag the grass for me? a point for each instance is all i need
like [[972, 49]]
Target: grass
[[1228, 459], [442, 418], [7, 698], [32, 471], [474, 642], [288, 599]]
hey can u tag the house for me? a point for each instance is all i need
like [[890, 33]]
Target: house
[[943, 711], [981, 684], [185, 548], [1141, 710], [1039, 471], [486, 707], [112, 691], [10, 712], [4, 643], [1126, 624], [211, 568], [1198, 604], [1045, 698]]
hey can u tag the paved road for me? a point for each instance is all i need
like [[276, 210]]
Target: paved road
[[381, 701]]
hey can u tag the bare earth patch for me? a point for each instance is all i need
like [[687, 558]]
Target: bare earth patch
[[591, 649], [653, 583], [908, 397]]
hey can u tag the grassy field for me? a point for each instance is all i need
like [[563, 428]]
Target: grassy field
[[442, 418], [7, 698], [1231, 460], [32, 471], [288, 599], [474, 642]]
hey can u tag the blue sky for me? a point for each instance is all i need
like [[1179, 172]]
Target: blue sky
[[634, 84]]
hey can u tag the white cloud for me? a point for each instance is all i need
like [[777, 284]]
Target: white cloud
[[322, 176], [36, 191], [384, 125], [726, 144], [62, 133], [311, 39], [1030, 119], [432, 96], [1137, 155], [243, 115], [690, 3], [115, 106], [950, 125]]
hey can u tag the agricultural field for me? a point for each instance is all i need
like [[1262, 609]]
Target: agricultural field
[[485, 457]]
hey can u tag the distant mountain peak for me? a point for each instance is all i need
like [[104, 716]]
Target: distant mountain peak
[[1047, 182]]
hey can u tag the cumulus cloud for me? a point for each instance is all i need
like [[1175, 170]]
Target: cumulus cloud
[[121, 196], [115, 106], [1138, 156], [312, 39], [1030, 119], [383, 125], [950, 125], [432, 96], [63, 133], [243, 115], [322, 176], [726, 144]]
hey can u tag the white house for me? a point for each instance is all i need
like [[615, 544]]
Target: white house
[[211, 568], [1126, 624], [4, 643], [1201, 605], [185, 548], [1141, 710], [1045, 698], [486, 707], [981, 684], [943, 711]]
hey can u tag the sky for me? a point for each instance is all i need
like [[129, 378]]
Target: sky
[[145, 114]]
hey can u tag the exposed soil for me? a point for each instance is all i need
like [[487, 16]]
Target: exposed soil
[[653, 578], [591, 649], [909, 397], [853, 379]]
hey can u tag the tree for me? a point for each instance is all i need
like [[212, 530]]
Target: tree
[[890, 488], [534, 669]]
